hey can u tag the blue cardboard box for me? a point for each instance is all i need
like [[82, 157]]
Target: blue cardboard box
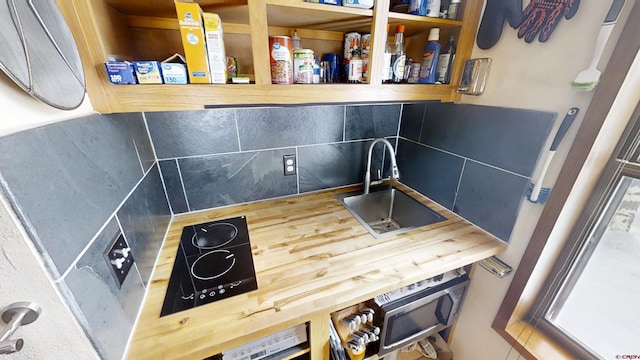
[[120, 72]]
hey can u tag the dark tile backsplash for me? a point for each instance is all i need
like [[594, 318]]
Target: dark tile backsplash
[[173, 185], [331, 165], [267, 128], [106, 310], [218, 180], [490, 198], [315, 134], [144, 218], [193, 133], [67, 179], [412, 115], [475, 160], [510, 139], [430, 171], [367, 122]]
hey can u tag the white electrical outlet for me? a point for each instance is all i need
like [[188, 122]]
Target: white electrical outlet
[[289, 162]]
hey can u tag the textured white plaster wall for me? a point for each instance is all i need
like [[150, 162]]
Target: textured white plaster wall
[[533, 76], [19, 111], [54, 335]]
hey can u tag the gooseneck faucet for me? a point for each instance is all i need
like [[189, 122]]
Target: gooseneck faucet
[[394, 166]]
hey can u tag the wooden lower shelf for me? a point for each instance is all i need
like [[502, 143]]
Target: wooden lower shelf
[[138, 98]]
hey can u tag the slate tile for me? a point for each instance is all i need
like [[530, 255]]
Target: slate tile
[[268, 128], [219, 180], [191, 133], [490, 198], [137, 129], [144, 218], [109, 310], [173, 185], [431, 172], [67, 179], [371, 121], [510, 139], [331, 165], [411, 120]]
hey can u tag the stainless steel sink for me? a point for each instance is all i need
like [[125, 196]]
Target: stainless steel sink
[[388, 212]]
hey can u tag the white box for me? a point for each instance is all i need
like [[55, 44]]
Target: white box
[[215, 48]]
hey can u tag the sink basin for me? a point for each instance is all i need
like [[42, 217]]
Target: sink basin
[[388, 212]]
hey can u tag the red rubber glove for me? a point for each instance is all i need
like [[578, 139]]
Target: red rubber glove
[[542, 16]]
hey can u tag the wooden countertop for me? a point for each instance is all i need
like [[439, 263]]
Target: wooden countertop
[[311, 257]]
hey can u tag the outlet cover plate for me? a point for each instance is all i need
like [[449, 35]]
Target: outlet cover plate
[[289, 162], [118, 244]]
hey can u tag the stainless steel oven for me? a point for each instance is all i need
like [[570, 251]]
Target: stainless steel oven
[[418, 310]]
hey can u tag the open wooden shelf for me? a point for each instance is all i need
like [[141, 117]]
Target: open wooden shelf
[[148, 30]]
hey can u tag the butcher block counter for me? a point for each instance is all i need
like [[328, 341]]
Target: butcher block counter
[[311, 257]]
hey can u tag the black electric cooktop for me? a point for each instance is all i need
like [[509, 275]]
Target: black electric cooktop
[[213, 262]]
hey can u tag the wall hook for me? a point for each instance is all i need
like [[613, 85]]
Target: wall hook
[[15, 315]]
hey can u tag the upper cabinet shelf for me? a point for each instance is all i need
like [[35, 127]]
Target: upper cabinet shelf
[[148, 30]]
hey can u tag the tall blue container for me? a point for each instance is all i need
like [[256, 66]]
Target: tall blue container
[[429, 62]]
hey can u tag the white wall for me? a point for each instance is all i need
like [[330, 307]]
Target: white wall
[[20, 111], [55, 335], [530, 76]]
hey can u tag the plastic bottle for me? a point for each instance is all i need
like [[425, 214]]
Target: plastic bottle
[[399, 57], [433, 8], [452, 12], [296, 40], [387, 70], [430, 58], [445, 61], [316, 69]]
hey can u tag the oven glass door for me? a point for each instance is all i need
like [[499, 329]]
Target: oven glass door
[[418, 321], [421, 314]]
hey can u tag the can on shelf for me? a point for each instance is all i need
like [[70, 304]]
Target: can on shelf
[[303, 66], [366, 44], [351, 43], [281, 55]]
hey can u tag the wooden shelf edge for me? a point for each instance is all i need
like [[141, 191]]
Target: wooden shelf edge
[[139, 98], [321, 7], [424, 19]]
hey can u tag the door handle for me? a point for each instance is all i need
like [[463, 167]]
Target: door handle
[[15, 315]]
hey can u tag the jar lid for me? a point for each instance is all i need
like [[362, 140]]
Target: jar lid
[[434, 34], [455, 1], [400, 28]]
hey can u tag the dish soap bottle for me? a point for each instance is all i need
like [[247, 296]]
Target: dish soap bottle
[[445, 61], [399, 57], [430, 56]]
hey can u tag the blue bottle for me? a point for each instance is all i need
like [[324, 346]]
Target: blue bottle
[[429, 62], [417, 7]]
